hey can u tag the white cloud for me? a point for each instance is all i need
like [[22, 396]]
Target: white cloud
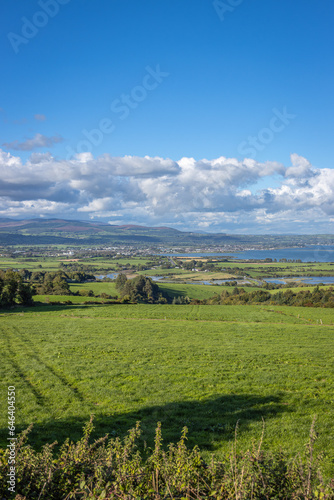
[[314, 188], [210, 194], [100, 205], [33, 208]]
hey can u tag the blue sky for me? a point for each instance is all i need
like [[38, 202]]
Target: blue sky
[[108, 108]]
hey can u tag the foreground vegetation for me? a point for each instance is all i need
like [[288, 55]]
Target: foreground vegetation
[[112, 468]]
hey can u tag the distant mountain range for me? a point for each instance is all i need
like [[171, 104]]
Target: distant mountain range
[[53, 231], [75, 232], [69, 226]]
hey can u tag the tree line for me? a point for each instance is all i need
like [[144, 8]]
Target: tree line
[[319, 297]]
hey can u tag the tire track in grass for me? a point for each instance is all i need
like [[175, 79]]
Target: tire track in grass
[[10, 354], [221, 321], [30, 350], [303, 320]]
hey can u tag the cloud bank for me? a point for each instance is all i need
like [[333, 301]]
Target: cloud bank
[[211, 195]]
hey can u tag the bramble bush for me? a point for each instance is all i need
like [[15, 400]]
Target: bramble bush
[[117, 469]]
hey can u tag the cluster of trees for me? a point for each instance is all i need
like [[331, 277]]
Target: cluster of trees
[[230, 283], [139, 289], [13, 290], [47, 283], [75, 268], [307, 298], [54, 283]]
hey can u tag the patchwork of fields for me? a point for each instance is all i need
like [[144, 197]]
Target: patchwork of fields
[[204, 367]]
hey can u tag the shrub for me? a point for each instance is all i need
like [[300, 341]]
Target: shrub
[[116, 469]]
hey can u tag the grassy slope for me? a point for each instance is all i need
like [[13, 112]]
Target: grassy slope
[[172, 289], [202, 366]]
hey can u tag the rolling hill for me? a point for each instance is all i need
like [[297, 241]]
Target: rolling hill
[[75, 232]]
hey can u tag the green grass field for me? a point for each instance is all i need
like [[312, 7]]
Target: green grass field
[[52, 263], [47, 264], [98, 287], [206, 367], [103, 262], [172, 289]]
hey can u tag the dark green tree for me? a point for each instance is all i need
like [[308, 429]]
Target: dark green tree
[[120, 281]]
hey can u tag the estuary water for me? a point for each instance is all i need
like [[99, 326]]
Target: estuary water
[[310, 280], [112, 276], [312, 253]]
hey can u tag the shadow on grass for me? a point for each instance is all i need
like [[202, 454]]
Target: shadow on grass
[[172, 292], [44, 307], [209, 422]]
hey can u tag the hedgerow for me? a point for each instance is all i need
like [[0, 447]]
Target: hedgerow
[[117, 469], [305, 298]]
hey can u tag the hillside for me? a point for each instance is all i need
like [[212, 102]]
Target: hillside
[[74, 232]]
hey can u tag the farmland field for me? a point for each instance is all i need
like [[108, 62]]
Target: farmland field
[[204, 367], [192, 291]]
